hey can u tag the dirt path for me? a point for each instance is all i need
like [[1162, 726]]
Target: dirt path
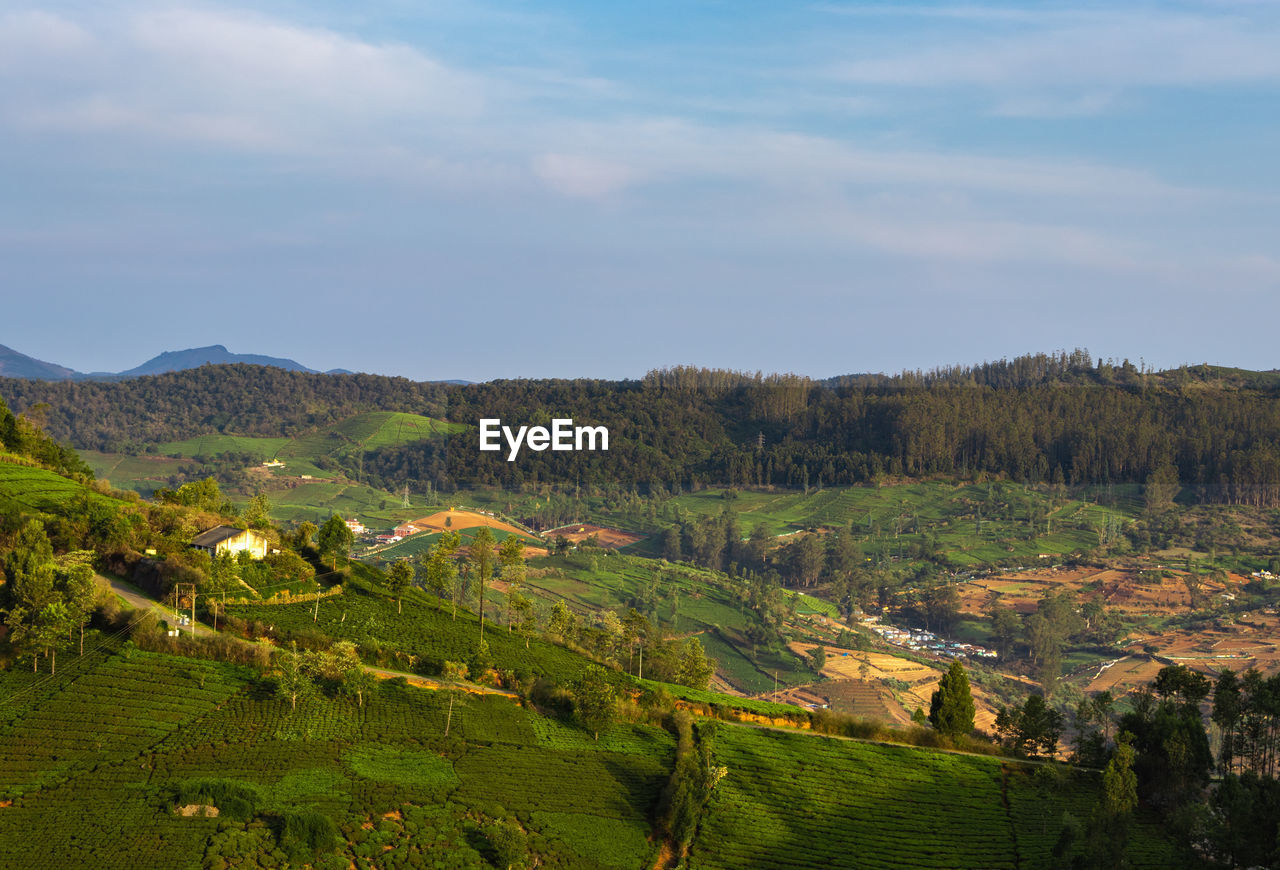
[[139, 600]]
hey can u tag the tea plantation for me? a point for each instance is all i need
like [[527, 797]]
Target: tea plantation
[[96, 769], [797, 801]]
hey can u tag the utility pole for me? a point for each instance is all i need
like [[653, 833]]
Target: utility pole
[[177, 594], [315, 617]]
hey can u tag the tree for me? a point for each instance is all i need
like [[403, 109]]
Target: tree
[[1005, 627], [399, 579], [453, 673], [951, 709], [1227, 707], [595, 703], [1034, 728], [695, 669], [1119, 782], [525, 617], [942, 606], [293, 677], [818, 657], [342, 663], [304, 533], [561, 623], [509, 843], [256, 511], [30, 569], [335, 538], [481, 559], [511, 558], [82, 597], [635, 627], [441, 569], [49, 631]]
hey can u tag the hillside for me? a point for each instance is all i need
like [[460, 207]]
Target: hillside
[[14, 364], [309, 476], [1042, 419], [397, 792], [18, 365]]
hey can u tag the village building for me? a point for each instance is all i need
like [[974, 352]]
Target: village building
[[356, 527], [229, 539], [406, 530]]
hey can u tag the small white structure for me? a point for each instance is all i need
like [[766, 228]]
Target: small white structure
[[229, 539], [356, 527]]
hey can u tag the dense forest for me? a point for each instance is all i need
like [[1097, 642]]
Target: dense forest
[[1046, 418]]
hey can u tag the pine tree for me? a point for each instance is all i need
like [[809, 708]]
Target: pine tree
[[951, 710]]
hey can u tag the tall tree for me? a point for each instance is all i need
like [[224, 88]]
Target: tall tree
[[399, 579], [951, 709], [511, 558], [441, 569], [595, 702], [81, 596], [335, 539], [481, 559]]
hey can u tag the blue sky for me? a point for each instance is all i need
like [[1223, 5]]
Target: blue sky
[[482, 190]]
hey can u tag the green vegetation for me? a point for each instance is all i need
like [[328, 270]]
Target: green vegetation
[[331, 457], [682, 598], [790, 800], [305, 782], [422, 634], [25, 488]]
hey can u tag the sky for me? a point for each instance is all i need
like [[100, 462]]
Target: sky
[[568, 189]]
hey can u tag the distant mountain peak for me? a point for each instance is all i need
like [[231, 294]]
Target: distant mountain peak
[[214, 354], [14, 364], [18, 365]]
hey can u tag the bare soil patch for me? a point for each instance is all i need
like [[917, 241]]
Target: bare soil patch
[[614, 539], [455, 520]]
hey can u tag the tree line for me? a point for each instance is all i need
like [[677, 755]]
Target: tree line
[[1037, 419]]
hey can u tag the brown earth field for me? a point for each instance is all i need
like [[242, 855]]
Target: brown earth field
[[1122, 589], [465, 520], [614, 539], [846, 666]]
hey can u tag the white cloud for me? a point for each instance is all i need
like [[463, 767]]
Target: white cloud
[[582, 176], [345, 107], [230, 79], [1088, 50]]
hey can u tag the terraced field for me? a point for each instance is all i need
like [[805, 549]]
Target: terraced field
[[425, 629], [799, 801], [25, 488], [91, 762]]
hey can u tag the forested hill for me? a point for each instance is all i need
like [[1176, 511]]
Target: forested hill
[[1056, 418]]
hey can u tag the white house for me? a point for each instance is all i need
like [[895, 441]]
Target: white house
[[229, 539]]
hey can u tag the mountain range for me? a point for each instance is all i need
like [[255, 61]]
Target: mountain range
[[14, 364]]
